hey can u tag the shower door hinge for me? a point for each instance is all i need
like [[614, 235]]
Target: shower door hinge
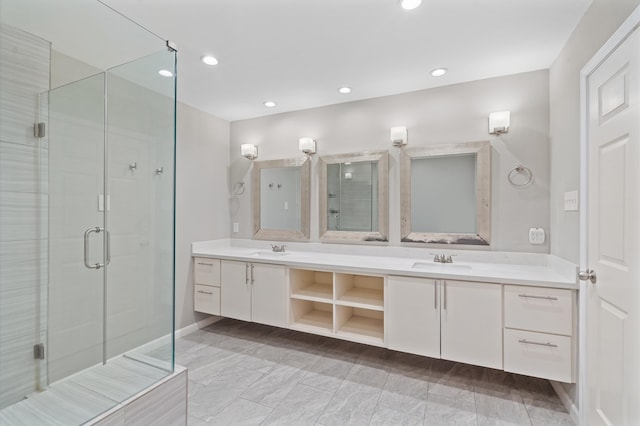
[[38, 351], [172, 46], [38, 130]]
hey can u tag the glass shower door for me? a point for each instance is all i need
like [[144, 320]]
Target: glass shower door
[[111, 185], [140, 182], [76, 226]]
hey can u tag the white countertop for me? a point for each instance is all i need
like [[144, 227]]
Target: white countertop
[[496, 267]]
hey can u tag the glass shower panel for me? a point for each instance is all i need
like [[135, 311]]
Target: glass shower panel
[[76, 226], [140, 181]]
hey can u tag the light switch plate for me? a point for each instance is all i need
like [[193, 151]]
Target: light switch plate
[[236, 227], [536, 235], [571, 201]]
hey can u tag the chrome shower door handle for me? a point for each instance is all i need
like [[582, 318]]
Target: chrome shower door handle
[[108, 248], [87, 234]]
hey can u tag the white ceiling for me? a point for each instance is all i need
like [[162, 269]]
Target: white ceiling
[[299, 52]]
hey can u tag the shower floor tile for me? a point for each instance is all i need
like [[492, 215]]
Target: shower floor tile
[[83, 396]]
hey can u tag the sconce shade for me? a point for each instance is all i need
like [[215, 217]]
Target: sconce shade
[[307, 145], [249, 151], [399, 135], [499, 122]]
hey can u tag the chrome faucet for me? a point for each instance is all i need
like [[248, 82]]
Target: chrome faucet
[[443, 259], [278, 248]]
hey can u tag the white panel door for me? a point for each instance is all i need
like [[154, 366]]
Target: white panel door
[[413, 316], [613, 332], [235, 290], [269, 299], [471, 330]]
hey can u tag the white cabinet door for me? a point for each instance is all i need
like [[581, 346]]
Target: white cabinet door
[[235, 290], [413, 316], [269, 294], [472, 323]]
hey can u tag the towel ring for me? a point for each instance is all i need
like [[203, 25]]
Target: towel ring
[[238, 188], [520, 170]]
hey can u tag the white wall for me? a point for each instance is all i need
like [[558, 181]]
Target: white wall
[[597, 25], [202, 196], [451, 114]]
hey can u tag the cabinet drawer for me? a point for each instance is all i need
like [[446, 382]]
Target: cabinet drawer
[[206, 271], [547, 310], [206, 299], [547, 356]]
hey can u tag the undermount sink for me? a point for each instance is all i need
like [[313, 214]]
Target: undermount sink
[[441, 267], [269, 253]]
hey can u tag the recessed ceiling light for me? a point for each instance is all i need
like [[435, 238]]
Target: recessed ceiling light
[[410, 4], [269, 104], [209, 60], [439, 72], [344, 90], [165, 73]]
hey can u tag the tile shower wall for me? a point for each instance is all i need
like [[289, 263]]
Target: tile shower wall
[[24, 74], [353, 193]]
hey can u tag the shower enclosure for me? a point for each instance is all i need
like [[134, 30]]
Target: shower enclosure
[[87, 146]]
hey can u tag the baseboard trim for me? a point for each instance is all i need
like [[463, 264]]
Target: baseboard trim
[[566, 400], [184, 331]]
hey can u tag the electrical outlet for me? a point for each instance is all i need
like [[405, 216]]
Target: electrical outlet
[[571, 201], [536, 235], [236, 227]]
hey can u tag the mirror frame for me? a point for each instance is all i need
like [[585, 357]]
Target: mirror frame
[[483, 194], [382, 235], [305, 199]]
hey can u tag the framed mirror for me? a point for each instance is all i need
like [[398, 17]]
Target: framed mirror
[[280, 197], [354, 198], [446, 194]]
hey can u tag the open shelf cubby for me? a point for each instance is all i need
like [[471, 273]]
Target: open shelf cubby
[[360, 291], [314, 317], [362, 325], [315, 286]]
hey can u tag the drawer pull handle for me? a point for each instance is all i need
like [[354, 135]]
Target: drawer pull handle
[[537, 297], [204, 292], [203, 263], [528, 342]]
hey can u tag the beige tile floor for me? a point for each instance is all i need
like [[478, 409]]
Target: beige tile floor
[[249, 374]]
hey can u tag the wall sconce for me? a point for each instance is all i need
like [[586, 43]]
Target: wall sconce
[[499, 122], [399, 136], [307, 145], [249, 150]]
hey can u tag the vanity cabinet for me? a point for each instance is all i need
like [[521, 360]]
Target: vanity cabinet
[[454, 320], [206, 292], [471, 323], [528, 330], [254, 292], [413, 316], [539, 332]]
